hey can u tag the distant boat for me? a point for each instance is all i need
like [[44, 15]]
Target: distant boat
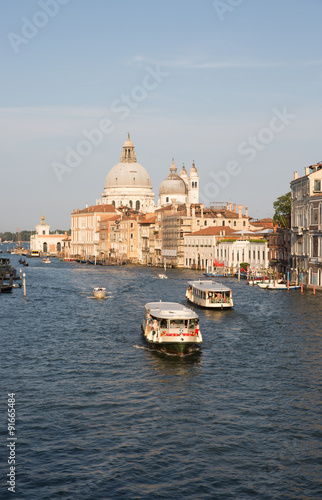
[[46, 260], [210, 294], [162, 276], [99, 292]]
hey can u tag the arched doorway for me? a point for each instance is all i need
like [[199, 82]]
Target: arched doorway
[[45, 247]]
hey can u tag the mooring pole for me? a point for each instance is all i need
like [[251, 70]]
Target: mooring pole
[[24, 285]]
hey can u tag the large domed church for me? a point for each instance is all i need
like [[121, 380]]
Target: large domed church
[[129, 184]]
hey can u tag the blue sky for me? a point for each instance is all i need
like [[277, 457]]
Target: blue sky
[[234, 85]]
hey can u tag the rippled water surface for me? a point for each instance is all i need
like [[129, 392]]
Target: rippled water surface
[[100, 416]]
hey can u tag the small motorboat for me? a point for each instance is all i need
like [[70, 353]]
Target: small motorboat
[[99, 292], [162, 276], [46, 260]]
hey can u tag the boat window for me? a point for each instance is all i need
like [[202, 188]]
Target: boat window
[[192, 323], [176, 323], [164, 323]]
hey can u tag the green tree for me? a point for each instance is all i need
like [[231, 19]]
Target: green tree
[[282, 207]]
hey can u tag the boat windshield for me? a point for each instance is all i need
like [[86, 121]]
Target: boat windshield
[[179, 323]]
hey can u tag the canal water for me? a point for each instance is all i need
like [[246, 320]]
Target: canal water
[[100, 416]]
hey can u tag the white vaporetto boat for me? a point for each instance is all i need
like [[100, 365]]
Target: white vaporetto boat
[[208, 293], [171, 327], [99, 292]]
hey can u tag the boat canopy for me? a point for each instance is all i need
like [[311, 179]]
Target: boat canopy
[[169, 310], [209, 286]]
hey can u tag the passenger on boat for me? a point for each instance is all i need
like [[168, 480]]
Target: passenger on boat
[[155, 326]]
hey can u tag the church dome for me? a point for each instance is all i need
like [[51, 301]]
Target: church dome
[[128, 183], [128, 172], [173, 184], [127, 175]]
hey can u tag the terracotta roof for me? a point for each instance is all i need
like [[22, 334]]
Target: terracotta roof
[[111, 218], [96, 208], [150, 220], [214, 231]]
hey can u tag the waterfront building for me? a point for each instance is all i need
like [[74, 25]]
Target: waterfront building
[[85, 230], [253, 250], [208, 246], [279, 243], [44, 242], [107, 225], [200, 246], [306, 226]]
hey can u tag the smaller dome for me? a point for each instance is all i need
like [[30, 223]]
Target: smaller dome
[[173, 184]]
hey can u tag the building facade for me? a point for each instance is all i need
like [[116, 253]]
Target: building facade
[[306, 226], [47, 243]]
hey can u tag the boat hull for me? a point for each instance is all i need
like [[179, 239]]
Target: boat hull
[[100, 294], [179, 348]]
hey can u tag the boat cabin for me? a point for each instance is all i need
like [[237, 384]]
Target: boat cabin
[[208, 293]]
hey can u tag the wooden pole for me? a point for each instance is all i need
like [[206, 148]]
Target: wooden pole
[[288, 280], [301, 282], [24, 285], [314, 285]]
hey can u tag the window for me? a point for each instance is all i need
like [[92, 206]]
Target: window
[[131, 236], [167, 199], [137, 205], [131, 203], [244, 223], [317, 186], [132, 224], [205, 223], [223, 222], [235, 223], [198, 222], [195, 184]]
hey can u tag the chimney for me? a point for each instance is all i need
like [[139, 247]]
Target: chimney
[[234, 207], [230, 205], [240, 208], [307, 170], [296, 175], [246, 211], [227, 206]]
